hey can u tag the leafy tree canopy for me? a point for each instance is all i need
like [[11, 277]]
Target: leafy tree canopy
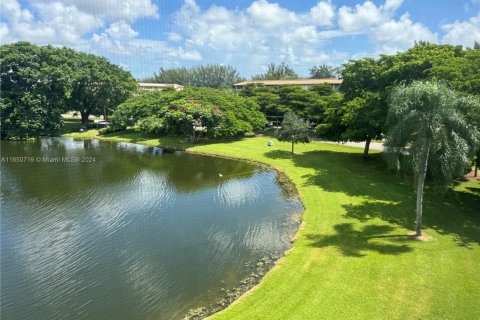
[[367, 83], [39, 83], [98, 86], [192, 111], [323, 71], [35, 83], [309, 104], [293, 129]]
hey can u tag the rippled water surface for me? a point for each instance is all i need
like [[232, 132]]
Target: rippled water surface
[[100, 230]]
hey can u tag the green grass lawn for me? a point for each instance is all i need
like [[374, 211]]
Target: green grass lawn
[[351, 258]]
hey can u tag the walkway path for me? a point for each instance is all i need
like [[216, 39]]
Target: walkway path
[[373, 145]]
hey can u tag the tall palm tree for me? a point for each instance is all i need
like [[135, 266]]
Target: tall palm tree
[[428, 132]]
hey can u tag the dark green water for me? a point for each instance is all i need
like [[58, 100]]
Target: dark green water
[[99, 230]]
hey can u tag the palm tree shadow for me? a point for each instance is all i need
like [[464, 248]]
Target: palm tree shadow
[[357, 243], [387, 196]]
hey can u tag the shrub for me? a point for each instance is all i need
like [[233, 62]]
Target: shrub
[[249, 134], [151, 124], [103, 131]]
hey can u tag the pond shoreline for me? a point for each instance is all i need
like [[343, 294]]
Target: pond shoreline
[[258, 268]]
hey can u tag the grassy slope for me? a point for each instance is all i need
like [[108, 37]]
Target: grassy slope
[[351, 259]]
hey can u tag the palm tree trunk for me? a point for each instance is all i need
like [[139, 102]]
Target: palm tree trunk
[[422, 172]]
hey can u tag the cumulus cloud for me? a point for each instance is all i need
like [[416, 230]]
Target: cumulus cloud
[[322, 14], [262, 32], [109, 22], [362, 16], [377, 22], [4, 33], [11, 10], [111, 10], [121, 30], [265, 31], [402, 33], [462, 32], [270, 15]]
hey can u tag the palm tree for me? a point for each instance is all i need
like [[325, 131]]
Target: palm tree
[[428, 132]]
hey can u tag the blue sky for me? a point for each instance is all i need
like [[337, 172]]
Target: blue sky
[[144, 35]]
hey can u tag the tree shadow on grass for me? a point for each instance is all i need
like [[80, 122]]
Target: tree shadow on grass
[[381, 194], [278, 154], [354, 243], [451, 213]]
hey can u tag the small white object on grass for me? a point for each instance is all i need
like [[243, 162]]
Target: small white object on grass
[[220, 175], [270, 143]]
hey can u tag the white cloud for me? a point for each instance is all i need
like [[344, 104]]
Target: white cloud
[[261, 33], [270, 15], [66, 22], [121, 30], [387, 34], [266, 32], [112, 10], [366, 15], [392, 5], [462, 32], [11, 10], [402, 33], [362, 16], [322, 14], [56, 23], [4, 33], [174, 37]]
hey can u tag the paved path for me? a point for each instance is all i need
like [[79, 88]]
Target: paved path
[[373, 145]]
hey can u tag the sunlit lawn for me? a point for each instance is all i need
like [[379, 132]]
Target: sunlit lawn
[[352, 258]]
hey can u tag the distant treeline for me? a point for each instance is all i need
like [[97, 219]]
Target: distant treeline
[[224, 76]]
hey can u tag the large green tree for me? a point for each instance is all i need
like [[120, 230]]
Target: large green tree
[[361, 116], [38, 83], [429, 133], [367, 82], [35, 83], [190, 112], [98, 86]]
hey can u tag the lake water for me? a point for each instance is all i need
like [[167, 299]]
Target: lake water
[[102, 230]]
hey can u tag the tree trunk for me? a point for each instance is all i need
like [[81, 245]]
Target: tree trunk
[[422, 172], [293, 143], [367, 147], [85, 116], [476, 167]]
